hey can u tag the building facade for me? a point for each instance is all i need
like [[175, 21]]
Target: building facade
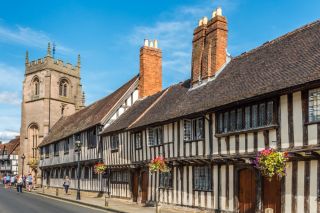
[[51, 90], [211, 127], [9, 155]]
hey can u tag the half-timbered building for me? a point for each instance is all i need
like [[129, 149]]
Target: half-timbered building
[[211, 127], [58, 152]]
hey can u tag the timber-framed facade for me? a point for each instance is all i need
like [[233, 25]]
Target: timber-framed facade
[[211, 127]]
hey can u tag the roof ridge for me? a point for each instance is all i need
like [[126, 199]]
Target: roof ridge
[[278, 39]]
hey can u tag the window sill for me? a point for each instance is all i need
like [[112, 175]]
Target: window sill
[[202, 190], [273, 126], [168, 188], [196, 140], [157, 145], [311, 122]]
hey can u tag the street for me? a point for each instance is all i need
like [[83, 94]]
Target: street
[[13, 202]]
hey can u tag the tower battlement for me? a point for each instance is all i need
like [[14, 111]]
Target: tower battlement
[[48, 62]]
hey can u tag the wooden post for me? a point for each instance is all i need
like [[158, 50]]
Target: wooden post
[[57, 192]]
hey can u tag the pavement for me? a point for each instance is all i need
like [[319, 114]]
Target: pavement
[[13, 202], [114, 205]]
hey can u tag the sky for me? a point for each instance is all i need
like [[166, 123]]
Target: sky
[[109, 34]]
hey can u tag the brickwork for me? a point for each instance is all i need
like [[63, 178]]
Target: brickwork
[[209, 47], [150, 81]]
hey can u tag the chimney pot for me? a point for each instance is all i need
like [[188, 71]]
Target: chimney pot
[[200, 22], [219, 11], [155, 43], [151, 44], [205, 20], [214, 13], [146, 42]]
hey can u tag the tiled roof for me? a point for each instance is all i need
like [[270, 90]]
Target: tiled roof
[[132, 114], [12, 146], [286, 62], [86, 117]]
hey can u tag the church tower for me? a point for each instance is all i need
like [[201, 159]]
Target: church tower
[[51, 90]]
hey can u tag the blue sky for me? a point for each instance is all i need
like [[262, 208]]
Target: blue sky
[[108, 35]]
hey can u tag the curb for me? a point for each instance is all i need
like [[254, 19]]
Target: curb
[[82, 203]]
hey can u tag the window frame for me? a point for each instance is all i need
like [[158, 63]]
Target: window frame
[[63, 88], [114, 142], [156, 140], [56, 149], [250, 117], [120, 177], [314, 120], [208, 178], [135, 136], [92, 138], [66, 146], [166, 182], [191, 128]]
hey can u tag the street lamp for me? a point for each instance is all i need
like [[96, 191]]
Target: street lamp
[[78, 145], [23, 157]]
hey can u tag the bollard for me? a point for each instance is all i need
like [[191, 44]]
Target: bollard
[[57, 192], [105, 201]]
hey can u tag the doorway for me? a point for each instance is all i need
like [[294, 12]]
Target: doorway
[[272, 194], [144, 186], [247, 191]]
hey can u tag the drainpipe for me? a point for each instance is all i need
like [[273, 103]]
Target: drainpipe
[[219, 187]]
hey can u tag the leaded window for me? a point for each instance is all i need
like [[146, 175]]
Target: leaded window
[[92, 138], [73, 172], [86, 172], [56, 149], [137, 137], [193, 129], [244, 118], [66, 145], [166, 179], [63, 88], [314, 105], [155, 136], [114, 142], [119, 176], [202, 178]]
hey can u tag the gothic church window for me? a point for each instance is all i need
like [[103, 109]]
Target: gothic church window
[[36, 86], [63, 88]]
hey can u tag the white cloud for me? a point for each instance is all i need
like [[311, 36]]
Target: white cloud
[[7, 135], [174, 32], [29, 37], [10, 98]]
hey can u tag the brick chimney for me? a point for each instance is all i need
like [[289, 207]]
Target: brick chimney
[[214, 50], [197, 49], [150, 81]]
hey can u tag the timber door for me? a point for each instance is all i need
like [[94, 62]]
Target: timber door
[[144, 186], [272, 195], [247, 191], [135, 186]]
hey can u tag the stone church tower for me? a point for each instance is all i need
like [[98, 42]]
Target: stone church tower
[[51, 89]]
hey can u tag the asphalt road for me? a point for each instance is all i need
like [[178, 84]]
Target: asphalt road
[[13, 202]]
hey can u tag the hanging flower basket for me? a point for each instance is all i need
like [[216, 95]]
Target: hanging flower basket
[[100, 168], [271, 162], [158, 164], [33, 163]]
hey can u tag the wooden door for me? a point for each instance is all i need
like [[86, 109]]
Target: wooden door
[[247, 191], [135, 186], [272, 195], [144, 186]]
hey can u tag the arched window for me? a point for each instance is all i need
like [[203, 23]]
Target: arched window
[[36, 86], [63, 88], [33, 138]]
